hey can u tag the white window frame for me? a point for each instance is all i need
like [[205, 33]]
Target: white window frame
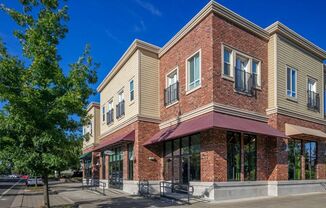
[[110, 102], [258, 71], [132, 91], [313, 79], [121, 92], [286, 83], [103, 114], [231, 75], [187, 72], [167, 76]]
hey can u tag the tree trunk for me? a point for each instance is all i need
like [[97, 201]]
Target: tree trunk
[[46, 191]]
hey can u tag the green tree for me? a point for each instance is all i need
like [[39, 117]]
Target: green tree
[[44, 108]]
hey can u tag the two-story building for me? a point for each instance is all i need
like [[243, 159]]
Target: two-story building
[[226, 107]]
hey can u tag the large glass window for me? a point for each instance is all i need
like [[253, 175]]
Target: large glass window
[[132, 90], [88, 168], [130, 161], [182, 159], [249, 146], [193, 71], [291, 80], [235, 150], [310, 154], [116, 168], [234, 156], [294, 159]]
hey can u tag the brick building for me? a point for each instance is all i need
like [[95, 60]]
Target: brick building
[[226, 107]]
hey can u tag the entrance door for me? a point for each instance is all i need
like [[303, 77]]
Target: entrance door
[[185, 170], [116, 169]]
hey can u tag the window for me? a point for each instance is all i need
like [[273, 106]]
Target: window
[[103, 113], [88, 168], [234, 156], [310, 154], [235, 151], [313, 99], [255, 69], [130, 161], [110, 113], [227, 57], [116, 168], [294, 159], [193, 72], [132, 91], [249, 145], [243, 79], [172, 91], [121, 105], [291, 80], [182, 159]]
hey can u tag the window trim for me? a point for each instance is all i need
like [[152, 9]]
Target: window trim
[[286, 83], [188, 91], [231, 76], [176, 69], [259, 72]]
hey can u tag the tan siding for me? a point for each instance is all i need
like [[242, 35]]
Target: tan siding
[[307, 65], [271, 72], [93, 138], [149, 87], [121, 81]]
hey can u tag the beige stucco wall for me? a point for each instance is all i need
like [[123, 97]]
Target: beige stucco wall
[[94, 112], [289, 54], [149, 87], [121, 82]]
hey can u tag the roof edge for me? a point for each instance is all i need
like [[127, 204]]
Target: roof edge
[[92, 104], [280, 28], [218, 9], [136, 44]]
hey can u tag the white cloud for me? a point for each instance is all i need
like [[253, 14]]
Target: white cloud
[[140, 27], [112, 36], [149, 7]]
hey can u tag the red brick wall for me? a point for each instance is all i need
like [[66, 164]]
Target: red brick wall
[[198, 38], [226, 33], [145, 169]]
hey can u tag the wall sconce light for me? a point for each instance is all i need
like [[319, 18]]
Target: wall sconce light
[[151, 159]]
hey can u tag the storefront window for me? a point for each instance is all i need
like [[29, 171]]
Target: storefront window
[[130, 161], [234, 156], [294, 159], [249, 146], [116, 168], [88, 168], [182, 159], [310, 154]]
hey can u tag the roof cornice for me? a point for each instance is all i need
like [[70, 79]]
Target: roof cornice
[[279, 28], [220, 10], [91, 105], [136, 44]]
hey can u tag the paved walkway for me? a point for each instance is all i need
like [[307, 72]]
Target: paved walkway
[[72, 194]]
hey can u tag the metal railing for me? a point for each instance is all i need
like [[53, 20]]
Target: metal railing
[[244, 81], [120, 109], [109, 116], [313, 102], [171, 94], [143, 188], [176, 188], [116, 180], [94, 184]]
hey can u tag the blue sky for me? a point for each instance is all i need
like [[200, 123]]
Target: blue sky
[[111, 26]]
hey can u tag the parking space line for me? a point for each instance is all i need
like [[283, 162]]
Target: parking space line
[[5, 192]]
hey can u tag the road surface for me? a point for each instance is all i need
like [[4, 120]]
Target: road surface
[[8, 190]]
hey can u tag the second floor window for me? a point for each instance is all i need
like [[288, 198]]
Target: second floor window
[[243, 79], [103, 113], [193, 72], [227, 58], [313, 99], [110, 113], [121, 105], [172, 91], [291, 82], [132, 91]]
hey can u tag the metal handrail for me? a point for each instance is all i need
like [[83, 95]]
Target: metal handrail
[[170, 185], [313, 100], [244, 81], [171, 93], [143, 187], [109, 116], [92, 184], [120, 109]]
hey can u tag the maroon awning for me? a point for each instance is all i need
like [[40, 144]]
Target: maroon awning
[[211, 120], [129, 137]]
